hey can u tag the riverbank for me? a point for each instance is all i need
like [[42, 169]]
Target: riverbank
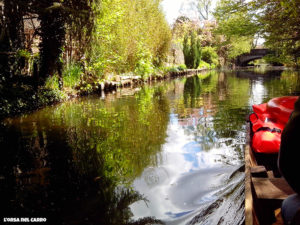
[[21, 97]]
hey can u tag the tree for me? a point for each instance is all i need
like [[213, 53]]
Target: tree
[[53, 17], [124, 30], [276, 21], [12, 37], [199, 53], [192, 51], [237, 26], [204, 9], [281, 21]]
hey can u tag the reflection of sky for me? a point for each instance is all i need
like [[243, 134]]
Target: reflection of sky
[[186, 178], [257, 92]]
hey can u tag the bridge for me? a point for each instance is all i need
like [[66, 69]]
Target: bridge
[[244, 59]]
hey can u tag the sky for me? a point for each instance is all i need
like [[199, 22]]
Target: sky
[[172, 8]]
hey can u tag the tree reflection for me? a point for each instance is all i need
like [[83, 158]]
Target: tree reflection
[[192, 90], [74, 164]]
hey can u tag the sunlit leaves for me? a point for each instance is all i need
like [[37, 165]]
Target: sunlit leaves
[[276, 21], [125, 29], [237, 24], [282, 31]]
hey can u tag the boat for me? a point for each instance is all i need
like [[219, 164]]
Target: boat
[[265, 188]]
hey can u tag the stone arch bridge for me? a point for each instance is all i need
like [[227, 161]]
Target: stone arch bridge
[[244, 59]]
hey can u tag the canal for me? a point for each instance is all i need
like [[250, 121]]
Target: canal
[[167, 153]]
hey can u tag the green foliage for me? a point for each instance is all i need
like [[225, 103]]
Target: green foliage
[[209, 55], [122, 29], [52, 83], [192, 51], [186, 51], [281, 21], [47, 96], [23, 53], [235, 19], [276, 60], [144, 66], [206, 65], [237, 28], [179, 68], [71, 75], [238, 46], [182, 67], [50, 20], [198, 53], [192, 91], [240, 22], [112, 143]]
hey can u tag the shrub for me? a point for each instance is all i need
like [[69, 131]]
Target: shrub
[[210, 55], [144, 66], [71, 75], [182, 67], [52, 83]]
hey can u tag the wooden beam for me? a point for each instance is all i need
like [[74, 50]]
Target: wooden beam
[[271, 188], [248, 192]]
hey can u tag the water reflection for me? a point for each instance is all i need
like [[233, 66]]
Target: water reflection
[[74, 163], [169, 153], [203, 154]]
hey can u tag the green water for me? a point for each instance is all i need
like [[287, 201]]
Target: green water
[[169, 153]]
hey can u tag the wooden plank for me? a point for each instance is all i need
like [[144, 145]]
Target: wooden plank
[[248, 151], [270, 174], [259, 171], [250, 161], [271, 188], [248, 193]]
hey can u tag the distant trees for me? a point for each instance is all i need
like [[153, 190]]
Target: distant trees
[[237, 28], [199, 8], [204, 9], [281, 30], [241, 22]]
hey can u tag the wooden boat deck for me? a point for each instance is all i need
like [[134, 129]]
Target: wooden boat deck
[[264, 192]]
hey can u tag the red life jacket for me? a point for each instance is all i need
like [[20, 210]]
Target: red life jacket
[[268, 121]]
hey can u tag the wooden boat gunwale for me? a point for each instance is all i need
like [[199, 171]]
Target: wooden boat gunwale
[[250, 214]]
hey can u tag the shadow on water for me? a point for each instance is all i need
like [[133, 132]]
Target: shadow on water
[[171, 153]]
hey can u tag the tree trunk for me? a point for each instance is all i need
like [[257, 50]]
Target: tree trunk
[[52, 39], [13, 38]]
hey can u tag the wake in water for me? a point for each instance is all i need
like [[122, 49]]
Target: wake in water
[[223, 205], [208, 196]]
